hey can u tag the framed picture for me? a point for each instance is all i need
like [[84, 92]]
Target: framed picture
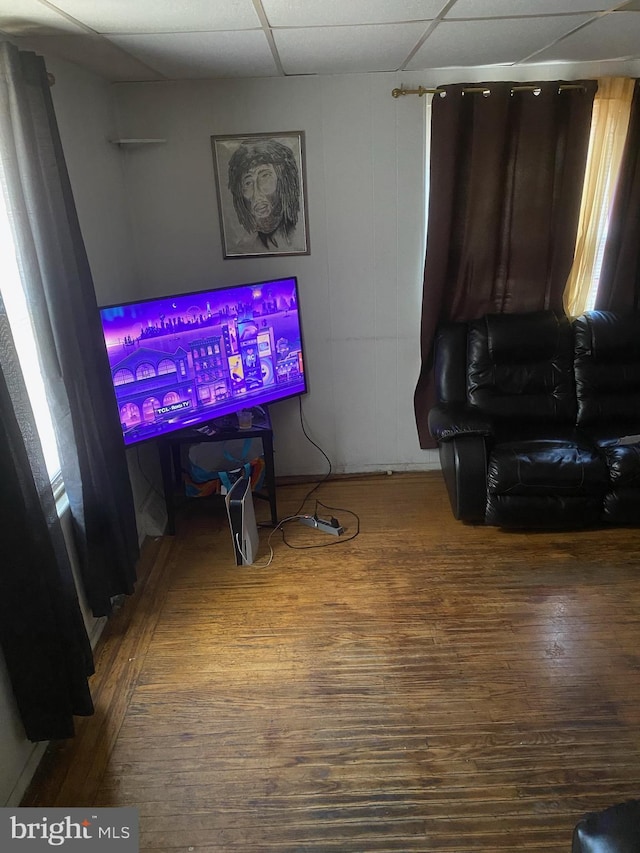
[[262, 199]]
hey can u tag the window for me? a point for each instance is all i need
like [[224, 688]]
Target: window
[[130, 414], [25, 343], [149, 408], [166, 366], [145, 371], [609, 123], [123, 376]]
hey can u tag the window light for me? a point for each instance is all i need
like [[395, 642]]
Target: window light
[[23, 336]]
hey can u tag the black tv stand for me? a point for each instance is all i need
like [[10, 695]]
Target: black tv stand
[[223, 429]]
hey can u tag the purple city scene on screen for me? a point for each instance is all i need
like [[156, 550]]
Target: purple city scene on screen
[[183, 360]]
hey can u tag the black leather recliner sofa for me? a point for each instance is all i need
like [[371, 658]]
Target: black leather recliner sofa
[[537, 417]]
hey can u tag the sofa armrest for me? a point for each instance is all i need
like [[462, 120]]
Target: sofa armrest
[[613, 830], [453, 420], [463, 460]]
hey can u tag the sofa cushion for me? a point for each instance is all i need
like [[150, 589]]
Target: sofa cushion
[[546, 483], [546, 466], [543, 512], [607, 368], [520, 367]]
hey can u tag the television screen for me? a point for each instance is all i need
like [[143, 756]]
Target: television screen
[[179, 361]]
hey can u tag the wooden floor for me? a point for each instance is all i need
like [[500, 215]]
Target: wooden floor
[[426, 687]]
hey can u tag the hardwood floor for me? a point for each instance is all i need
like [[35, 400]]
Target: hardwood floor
[[427, 686]]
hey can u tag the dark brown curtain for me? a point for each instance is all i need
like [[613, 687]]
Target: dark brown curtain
[[619, 286], [505, 186]]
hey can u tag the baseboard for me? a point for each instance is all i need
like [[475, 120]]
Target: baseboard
[[96, 630], [28, 771], [151, 517], [295, 479]]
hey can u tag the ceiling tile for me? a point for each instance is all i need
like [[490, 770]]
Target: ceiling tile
[[516, 8], [496, 42], [162, 16], [342, 50], [93, 53], [311, 13], [181, 56], [614, 36], [181, 39], [24, 17]]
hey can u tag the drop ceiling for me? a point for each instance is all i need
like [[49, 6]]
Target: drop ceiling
[[140, 40]]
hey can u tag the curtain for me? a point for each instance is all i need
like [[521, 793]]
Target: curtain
[[619, 287], [610, 120], [42, 632], [62, 304], [507, 163]]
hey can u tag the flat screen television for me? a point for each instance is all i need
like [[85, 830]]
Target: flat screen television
[[181, 361]]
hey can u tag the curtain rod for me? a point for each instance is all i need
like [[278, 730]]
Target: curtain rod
[[531, 88]]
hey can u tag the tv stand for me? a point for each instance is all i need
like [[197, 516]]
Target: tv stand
[[224, 429]]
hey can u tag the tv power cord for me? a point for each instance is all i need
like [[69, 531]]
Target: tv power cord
[[329, 525]]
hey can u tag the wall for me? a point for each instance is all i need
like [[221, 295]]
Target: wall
[[360, 287], [18, 756], [85, 113]]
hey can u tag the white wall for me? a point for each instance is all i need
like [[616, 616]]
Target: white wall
[[361, 284], [85, 113], [18, 756]]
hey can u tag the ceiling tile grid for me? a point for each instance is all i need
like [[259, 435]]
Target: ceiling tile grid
[[615, 36], [160, 16], [490, 42], [335, 13], [194, 39], [525, 8], [240, 53], [341, 50]]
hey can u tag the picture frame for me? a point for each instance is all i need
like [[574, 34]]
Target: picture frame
[[261, 192]]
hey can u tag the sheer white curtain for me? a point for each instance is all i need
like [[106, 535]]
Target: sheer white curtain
[[609, 123], [22, 332]]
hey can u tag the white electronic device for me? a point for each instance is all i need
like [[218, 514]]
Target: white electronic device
[[242, 521]]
